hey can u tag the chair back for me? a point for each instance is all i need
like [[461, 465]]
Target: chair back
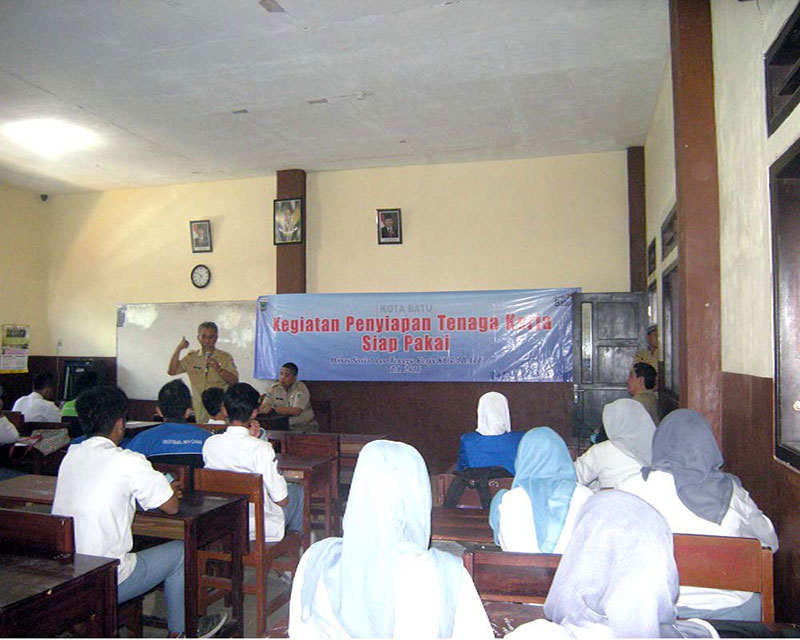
[[717, 562], [33, 533], [711, 562], [232, 482], [190, 461], [181, 472]]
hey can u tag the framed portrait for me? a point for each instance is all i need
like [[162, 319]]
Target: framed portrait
[[200, 232], [390, 226], [287, 221]]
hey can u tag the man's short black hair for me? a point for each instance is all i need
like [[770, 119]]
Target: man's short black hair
[[240, 401], [646, 371], [207, 325], [43, 381], [212, 400], [291, 366], [99, 408], [173, 400]]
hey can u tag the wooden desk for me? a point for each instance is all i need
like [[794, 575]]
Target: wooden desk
[[461, 525], [201, 519], [30, 489], [314, 472], [42, 597]]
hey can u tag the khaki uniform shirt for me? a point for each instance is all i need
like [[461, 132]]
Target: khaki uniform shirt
[[648, 358], [296, 396], [193, 364], [649, 401]]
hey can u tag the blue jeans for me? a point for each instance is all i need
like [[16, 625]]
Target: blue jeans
[[293, 512], [155, 565]]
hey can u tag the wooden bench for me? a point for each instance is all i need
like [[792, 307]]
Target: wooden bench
[[712, 562]]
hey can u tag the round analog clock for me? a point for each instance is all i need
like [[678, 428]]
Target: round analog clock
[[201, 276]]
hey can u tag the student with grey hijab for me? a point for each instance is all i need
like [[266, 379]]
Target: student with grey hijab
[[686, 485], [617, 578]]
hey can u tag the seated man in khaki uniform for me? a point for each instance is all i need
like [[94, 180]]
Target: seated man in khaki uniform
[[641, 385], [206, 367], [290, 397]]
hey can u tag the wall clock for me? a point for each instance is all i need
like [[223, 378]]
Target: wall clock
[[201, 276]]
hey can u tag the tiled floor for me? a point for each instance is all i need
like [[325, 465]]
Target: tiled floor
[[154, 606]]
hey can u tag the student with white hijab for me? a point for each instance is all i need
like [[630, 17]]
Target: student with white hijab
[[685, 484], [538, 513], [487, 452], [630, 432], [380, 580], [617, 578]]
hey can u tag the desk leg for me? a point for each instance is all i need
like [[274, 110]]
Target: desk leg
[[109, 623], [328, 509], [306, 510], [191, 580], [239, 543]]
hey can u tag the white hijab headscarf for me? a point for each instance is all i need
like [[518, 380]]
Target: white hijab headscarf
[[630, 428], [494, 418], [388, 515]]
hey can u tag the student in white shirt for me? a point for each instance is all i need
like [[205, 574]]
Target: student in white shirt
[[8, 432], [630, 432], [617, 578], [381, 579], [38, 406], [99, 485], [538, 513], [239, 449], [686, 485]]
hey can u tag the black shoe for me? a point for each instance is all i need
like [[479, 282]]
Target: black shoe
[[207, 626]]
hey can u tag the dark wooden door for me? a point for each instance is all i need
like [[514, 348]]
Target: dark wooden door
[[785, 186], [608, 330]]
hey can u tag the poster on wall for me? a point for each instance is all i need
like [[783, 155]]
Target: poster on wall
[[459, 336], [14, 348]]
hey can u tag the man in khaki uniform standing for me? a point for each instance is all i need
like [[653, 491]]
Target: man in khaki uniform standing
[[206, 367]]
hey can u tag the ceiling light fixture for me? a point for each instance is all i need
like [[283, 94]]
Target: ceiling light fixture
[[49, 137]]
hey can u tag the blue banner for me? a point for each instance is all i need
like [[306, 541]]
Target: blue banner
[[460, 336]]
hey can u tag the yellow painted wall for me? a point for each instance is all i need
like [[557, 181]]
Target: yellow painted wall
[[531, 223], [659, 158], [742, 33], [24, 263], [133, 245]]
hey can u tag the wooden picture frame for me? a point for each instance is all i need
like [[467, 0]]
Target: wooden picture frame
[[200, 235], [390, 226]]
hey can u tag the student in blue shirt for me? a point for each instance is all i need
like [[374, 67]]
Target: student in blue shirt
[[174, 436], [488, 452]]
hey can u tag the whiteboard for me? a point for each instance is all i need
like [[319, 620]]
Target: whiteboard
[[147, 334]]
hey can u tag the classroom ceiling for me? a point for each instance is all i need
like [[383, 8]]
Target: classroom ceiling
[[194, 90]]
